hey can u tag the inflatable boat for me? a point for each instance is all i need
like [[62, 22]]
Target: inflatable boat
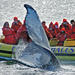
[[66, 52]]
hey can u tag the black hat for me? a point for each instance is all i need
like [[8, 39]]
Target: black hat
[[72, 21]]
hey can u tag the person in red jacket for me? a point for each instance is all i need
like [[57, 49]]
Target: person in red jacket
[[66, 25], [51, 27], [61, 37], [73, 29], [16, 24], [22, 33], [9, 34], [49, 35], [56, 29]]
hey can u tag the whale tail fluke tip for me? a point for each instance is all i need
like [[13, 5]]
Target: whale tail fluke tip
[[25, 5]]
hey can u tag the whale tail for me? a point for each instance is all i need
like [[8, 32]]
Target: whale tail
[[36, 53]]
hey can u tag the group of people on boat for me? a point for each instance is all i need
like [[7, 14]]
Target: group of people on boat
[[65, 31], [18, 30], [15, 32]]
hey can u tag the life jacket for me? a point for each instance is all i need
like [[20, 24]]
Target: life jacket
[[9, 36], [16, 25]]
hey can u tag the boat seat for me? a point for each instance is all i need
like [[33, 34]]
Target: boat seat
[[69, 43], [53, 42]]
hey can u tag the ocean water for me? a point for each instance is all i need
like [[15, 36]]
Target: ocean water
[[17, 69], [48, 10]]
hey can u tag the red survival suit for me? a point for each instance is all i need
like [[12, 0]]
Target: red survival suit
[[61, 37], [22, 33], [9, 36], [51, 28], [67, 27], [47, 31], [16, 24], [56, 29], [73, 32]]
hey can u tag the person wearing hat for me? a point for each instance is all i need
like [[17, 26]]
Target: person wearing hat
[[51, 28], [61, 37], [56, 29], [9, 34], [16, 24], [65, 24]]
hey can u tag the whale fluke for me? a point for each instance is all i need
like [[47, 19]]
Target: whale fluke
[[36, 53]]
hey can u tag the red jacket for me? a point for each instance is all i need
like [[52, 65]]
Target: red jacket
[[9, 36], [73, 32], [51, 28], [73, 29], [16, 25], [22, 33], [61, 37], [56, 30], [67, 27], [49, 35]]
